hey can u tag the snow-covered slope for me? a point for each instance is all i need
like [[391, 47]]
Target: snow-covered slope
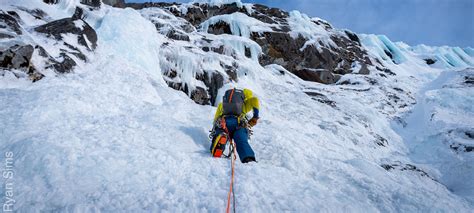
[[444, 118], [114, 136]]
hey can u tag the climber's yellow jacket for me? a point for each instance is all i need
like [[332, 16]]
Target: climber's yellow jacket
[[250, 103]]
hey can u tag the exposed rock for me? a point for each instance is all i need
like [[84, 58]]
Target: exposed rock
[[380, 141], [199, 95], [16, 57], [51, 1], [78, 14], [469, 80], [352, 36], [214, 83], [196, 14], [66, 65], [92, 3], [406, 167], [3, 35], [326, 25], [469, 134], [19, 57], [9, 24], [364, 70], [430, 61], [115, 3], [461, 147], [385, 70], [36, 13], [176, 35], [321, 98], [219, 28], [269, 15], [320, 76], [69, 25], [231, 71], [280, 48]]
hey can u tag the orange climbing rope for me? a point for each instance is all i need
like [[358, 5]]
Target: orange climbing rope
[[231, 191]]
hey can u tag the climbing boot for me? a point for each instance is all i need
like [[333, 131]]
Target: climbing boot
[[218, 145]]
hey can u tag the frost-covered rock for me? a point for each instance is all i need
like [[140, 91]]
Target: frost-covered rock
[[9, 25], [114, 3], [86, 35], [92, 3], [19, 58], [56, 45], [319, 54]]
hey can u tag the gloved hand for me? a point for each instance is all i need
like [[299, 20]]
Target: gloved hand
[[253, 122]]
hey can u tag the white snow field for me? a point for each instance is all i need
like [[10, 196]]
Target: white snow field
[[113, 137]]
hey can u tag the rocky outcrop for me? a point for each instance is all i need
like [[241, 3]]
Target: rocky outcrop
[[325, 61], [9, 25], [19, 58], [319, 62], [406, 167], [115, 3], [15, 57], [321, 98], [50, 1], [74, 25], [86, 37], [92, 3]]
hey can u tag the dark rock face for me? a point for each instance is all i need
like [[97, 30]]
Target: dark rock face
[[68, 25], [430, 61], [176, 35], [280, 48], [196, 14], [199, 95], [92, 3], [406, 167], [9, 24], [321, 98], [469, 80], [19, 57], [220, 28], [16, 56], [321, 76], [66, 65], [115, 3], [214, 83], [380, 141], [461, 147], [51, 1]]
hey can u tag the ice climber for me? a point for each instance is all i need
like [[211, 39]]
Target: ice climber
[[230, 122]]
